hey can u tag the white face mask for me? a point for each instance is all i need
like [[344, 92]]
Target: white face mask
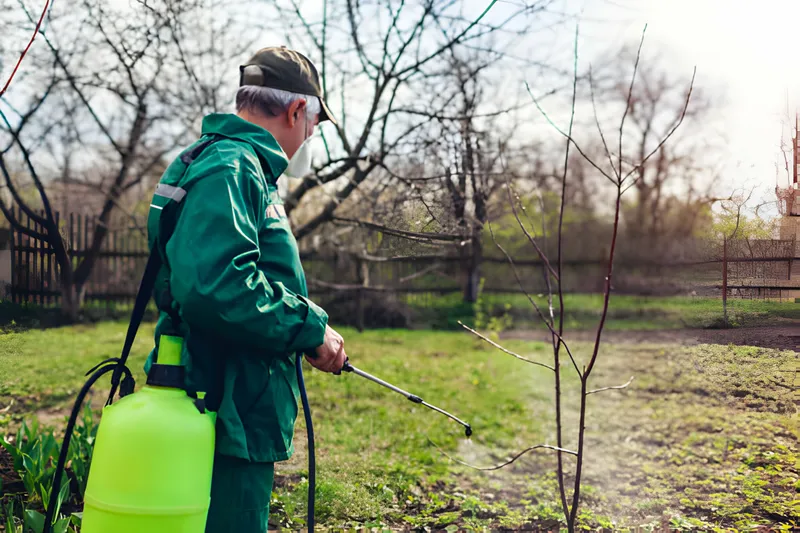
[[300, 163]]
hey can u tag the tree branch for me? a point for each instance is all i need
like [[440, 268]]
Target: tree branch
[[16, 224], [617, 173], [567, 136], [450, 44], [45, 222], [506, 463], [531, 300], [617, 387], [505, 350], [27, 48], [630, 96], [671, 132], [441, 237], [74, 84]]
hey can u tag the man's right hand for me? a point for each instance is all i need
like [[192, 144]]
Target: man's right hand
[[330, 354]]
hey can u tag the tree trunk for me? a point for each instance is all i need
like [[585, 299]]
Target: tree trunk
[[72, 297], [471, 262], [362, 268], [72, 294]]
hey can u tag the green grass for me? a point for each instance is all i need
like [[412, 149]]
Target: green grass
[[582, 311], [703, 437]]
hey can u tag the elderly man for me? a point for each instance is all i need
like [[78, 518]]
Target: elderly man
[[232, 284]]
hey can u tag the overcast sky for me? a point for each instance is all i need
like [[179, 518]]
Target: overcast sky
[[749, 50], [743, 50]]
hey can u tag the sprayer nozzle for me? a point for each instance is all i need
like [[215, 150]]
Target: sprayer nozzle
[[468, 431]]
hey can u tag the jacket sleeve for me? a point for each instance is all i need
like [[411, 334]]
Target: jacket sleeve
[[213, 256]]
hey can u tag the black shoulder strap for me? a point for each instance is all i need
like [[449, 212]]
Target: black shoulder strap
[[154, 263]]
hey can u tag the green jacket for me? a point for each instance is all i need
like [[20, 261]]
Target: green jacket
[[234, 272]]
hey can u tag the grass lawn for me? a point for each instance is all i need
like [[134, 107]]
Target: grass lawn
[[582, 311], [705, 437], [442, 312]]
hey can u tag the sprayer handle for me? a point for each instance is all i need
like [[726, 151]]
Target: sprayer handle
[[345, 368]]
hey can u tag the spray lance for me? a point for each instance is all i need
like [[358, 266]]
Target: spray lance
[[312, 476], [411, 397]]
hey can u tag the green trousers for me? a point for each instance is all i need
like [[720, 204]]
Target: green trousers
[[240, 494]]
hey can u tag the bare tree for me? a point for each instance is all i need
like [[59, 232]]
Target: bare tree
[[675, 181], [109, 107], [459, 169], [390, 63], [622, 173]]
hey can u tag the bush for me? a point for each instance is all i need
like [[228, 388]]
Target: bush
[[380, 311], [31, 316]]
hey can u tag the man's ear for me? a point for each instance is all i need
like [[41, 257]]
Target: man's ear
[[293, 113]]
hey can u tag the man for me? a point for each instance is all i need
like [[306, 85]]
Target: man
[[232, 284]]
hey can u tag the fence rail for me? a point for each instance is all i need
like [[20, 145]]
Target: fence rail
[[758, 267]]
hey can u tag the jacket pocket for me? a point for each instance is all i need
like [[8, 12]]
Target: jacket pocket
[[269, 420], [251, 386]]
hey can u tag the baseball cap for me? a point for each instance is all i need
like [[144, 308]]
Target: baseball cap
[[288, 70]]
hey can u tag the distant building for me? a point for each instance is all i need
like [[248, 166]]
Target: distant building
[[789, 206]]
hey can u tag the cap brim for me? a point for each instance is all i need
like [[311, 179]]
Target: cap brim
[[326, 114]]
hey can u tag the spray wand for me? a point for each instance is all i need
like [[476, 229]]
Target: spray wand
[[312, 463], [411, 397]]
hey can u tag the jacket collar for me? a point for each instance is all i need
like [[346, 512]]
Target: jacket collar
[[266, 147]]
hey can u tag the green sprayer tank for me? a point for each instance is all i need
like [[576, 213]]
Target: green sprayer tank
[[153, 457]]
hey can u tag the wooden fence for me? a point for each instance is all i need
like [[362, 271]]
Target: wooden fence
[[35, 272], [754, 268]]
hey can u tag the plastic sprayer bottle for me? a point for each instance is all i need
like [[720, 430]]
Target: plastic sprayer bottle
[[153, 459]]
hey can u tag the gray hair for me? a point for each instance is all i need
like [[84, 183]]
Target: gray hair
[[272, 102]]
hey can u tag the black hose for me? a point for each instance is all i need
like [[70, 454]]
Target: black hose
[[62, 458], [312, 464]]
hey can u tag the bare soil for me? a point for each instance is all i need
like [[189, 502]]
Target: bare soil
[[782, 337], [10, 481]]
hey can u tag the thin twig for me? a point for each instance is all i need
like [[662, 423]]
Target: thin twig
[[547, 279], [617, 173], [566, 135], [452, 42], [553, 332], [501, 465], [509, 352], [667, 137], [533, 242], [630, 96], [27, 48], [415, 275], [784, 385], [617, 387]]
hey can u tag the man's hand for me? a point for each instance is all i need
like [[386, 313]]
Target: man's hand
[[330, 354]]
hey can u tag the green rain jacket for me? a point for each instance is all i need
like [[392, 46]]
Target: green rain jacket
[[234, 273]]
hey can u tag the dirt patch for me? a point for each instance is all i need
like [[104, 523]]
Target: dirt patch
[[783, 337], [9, 479], [54, 417]]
